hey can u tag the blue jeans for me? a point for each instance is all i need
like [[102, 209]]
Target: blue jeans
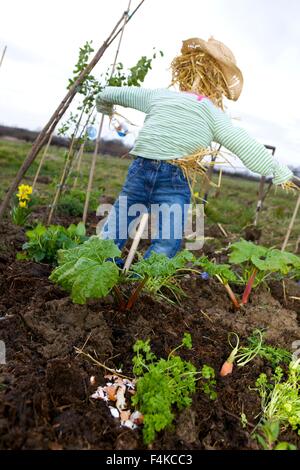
[[156, 187]]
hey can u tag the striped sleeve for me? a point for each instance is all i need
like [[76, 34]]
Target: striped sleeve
[[253, 154], [130, 97]]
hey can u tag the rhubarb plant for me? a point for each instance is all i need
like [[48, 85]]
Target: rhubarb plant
[[259, 263], [88, 271]]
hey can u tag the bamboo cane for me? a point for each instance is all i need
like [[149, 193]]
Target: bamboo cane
[[78, 158], [209, 176], [218, 191], [208, 179], [59, 112], [92, 172], [65, 170], [297, 245], [260, 198], [136, 241], [288, 233], [93, 165], [58, 190], [42, 162], [261, 195], [80, 154]]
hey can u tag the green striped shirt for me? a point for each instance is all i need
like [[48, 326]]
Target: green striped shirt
[[177, 124]]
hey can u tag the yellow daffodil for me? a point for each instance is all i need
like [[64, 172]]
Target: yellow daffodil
[[26, 188], [23, 197], [22, 203], [24, 191]]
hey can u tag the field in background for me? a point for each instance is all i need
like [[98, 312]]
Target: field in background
[[233, 205]]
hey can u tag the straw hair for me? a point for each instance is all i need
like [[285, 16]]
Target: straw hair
[[208, 68], [194, 166], [290, 186]]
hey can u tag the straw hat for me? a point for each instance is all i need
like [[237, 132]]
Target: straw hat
[[226, 60]]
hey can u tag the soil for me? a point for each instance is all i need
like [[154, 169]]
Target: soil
[[45, 386]]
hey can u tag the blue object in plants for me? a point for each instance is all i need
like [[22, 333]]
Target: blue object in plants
[[91, 132], [205, 276], [122, 133]]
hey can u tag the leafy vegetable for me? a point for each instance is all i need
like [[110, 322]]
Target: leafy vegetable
[[280, 399], [161, 385], [222, 271], [259, 262], [267, 435], [208, 382], [162, 272], [274, 356], [44, 242], [85, 271]]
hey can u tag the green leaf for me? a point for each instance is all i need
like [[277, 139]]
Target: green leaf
[[80, 230], [187, 340], [85, 271], [44, 242], [159, 265], [285, 446], [243, 251], [213, 269], [161, 385], [93, 280], [262, 442]]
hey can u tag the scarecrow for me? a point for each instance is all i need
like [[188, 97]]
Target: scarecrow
[[178, 131]]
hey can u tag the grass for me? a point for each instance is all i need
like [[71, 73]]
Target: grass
[[109, 174], [234, 206]]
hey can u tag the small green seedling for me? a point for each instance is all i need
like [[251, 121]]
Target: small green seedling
[[244, 420], [275, 356], [280, 398], [162, 384], [267, 437], [208, 382]]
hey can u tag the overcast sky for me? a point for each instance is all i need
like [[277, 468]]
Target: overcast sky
[[43, 39]]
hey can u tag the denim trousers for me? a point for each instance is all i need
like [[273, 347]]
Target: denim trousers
[[151, 186]]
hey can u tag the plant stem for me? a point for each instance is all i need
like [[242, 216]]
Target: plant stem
[[120, 298], [232, 296], [229, 291], [113, 371], [248, 287], [135, 294]]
